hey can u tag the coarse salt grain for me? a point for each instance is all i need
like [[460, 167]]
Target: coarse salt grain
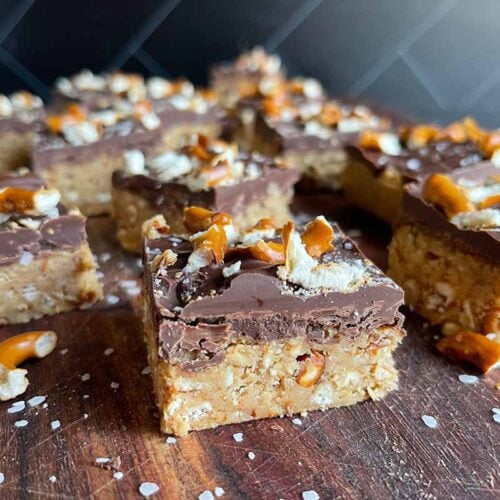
[[310, 495], [25, 258], [109, 351], [171, 440], [37, 400], [495, 410], [112, 299], [118, 475], [85, 377], [219, 491], [63, 351], [468, 379], [206, 495], [104, 257], [2, 478], [146, 371], [297, 421], [86, 396], [102, 460], [238, 437], [16, 407], [429, 421], [115, 385], [85, 415], [20, 423], [496, 417], [251, 455], [55, 424], [52, 479], [147, 489]]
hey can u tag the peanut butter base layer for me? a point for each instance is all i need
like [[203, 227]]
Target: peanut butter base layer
[[15, 150], [443, 283], [271, 379], [378, 193], [130, 211], [56, 282]]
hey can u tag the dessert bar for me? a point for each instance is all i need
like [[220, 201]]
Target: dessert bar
[[209, 173], [46, 265], [79, 150], [245, 75], [182, 109], [381, 163], [21, 115], [445, 252], [263, 323]]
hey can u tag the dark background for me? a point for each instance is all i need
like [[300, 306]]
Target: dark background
[[437, 59]]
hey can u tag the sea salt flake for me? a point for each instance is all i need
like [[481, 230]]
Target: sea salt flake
[[147, 489], [86, 396], [109, 351], [20, 423], [297, 421], [496, 418], [36, 400], [429, 421], [104, 257], [26, 258], [55, 424], [16, 407], [2, 478], [52, 479], [206, 495], [115, 385], [468, 379], [102, 460], [112, 299], [238, 437], [171, 440], [310, 495], [85, 377], [251, 455], [495, 410], [146, 371], [219, 491], [63, 351], [118, 475]]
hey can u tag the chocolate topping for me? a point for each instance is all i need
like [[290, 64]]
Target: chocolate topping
[[485, 243], [198, 314]]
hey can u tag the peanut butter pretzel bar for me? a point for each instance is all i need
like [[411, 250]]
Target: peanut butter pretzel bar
[[182, 109], [382, 162], [46, 265], [245, 75], [21, 115], [263, 323], [209, 173], [445, 252]]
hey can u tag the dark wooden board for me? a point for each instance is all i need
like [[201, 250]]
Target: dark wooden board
[[371, 450]]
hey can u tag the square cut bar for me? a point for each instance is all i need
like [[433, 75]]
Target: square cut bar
[[382, 163], [182, 109], [78, 151], [245, 75], [263, 329], [445, 251], [209, 174], [312, 134], [46, 265], [21, 115]]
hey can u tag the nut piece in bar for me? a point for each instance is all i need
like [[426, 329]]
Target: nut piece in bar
[[296, 122], [243, 77], [21, 115], [382, 162], [211, 174], [445, 251], [182, 109], [264, 323], [46, 265]]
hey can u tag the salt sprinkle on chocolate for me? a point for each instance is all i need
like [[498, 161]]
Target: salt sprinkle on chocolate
[[16, 407], [118, 475], [2, 478], [36, 400], [146, 371], [102, 460], [109, 351], [115, 385], [468, 379], [297, 421], [251, 455], [112, 299], [85, 377], [55, 424], [52, 479], [219, 491], [206, 495], [238, 437], [171, 440], [429, 421], [147, 489], [310, 495], [20, 423]]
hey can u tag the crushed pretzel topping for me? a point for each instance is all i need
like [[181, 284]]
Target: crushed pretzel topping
[[258, 60], [24, 201], [385, 142], [19, 104]]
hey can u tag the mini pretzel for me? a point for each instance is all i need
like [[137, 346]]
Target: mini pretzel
[[419, 135], [156, 227], [270, 252], [455, 132], [200, 219], [14, 351], [318, 237], [330, 114], [311, 370], [490, 201], [213, 239], [473, 348], [74, 114], [441, 191]]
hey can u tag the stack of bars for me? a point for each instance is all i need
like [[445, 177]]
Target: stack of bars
[[248, 314]]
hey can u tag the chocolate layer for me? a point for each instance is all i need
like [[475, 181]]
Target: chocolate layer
[[37, 235], [198, 315], [414, 164], [485, 243], [232, 198]]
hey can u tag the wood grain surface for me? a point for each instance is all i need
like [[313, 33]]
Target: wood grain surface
[[371, 450]]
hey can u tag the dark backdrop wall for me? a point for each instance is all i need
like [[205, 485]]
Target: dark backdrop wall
[[437, 59]]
